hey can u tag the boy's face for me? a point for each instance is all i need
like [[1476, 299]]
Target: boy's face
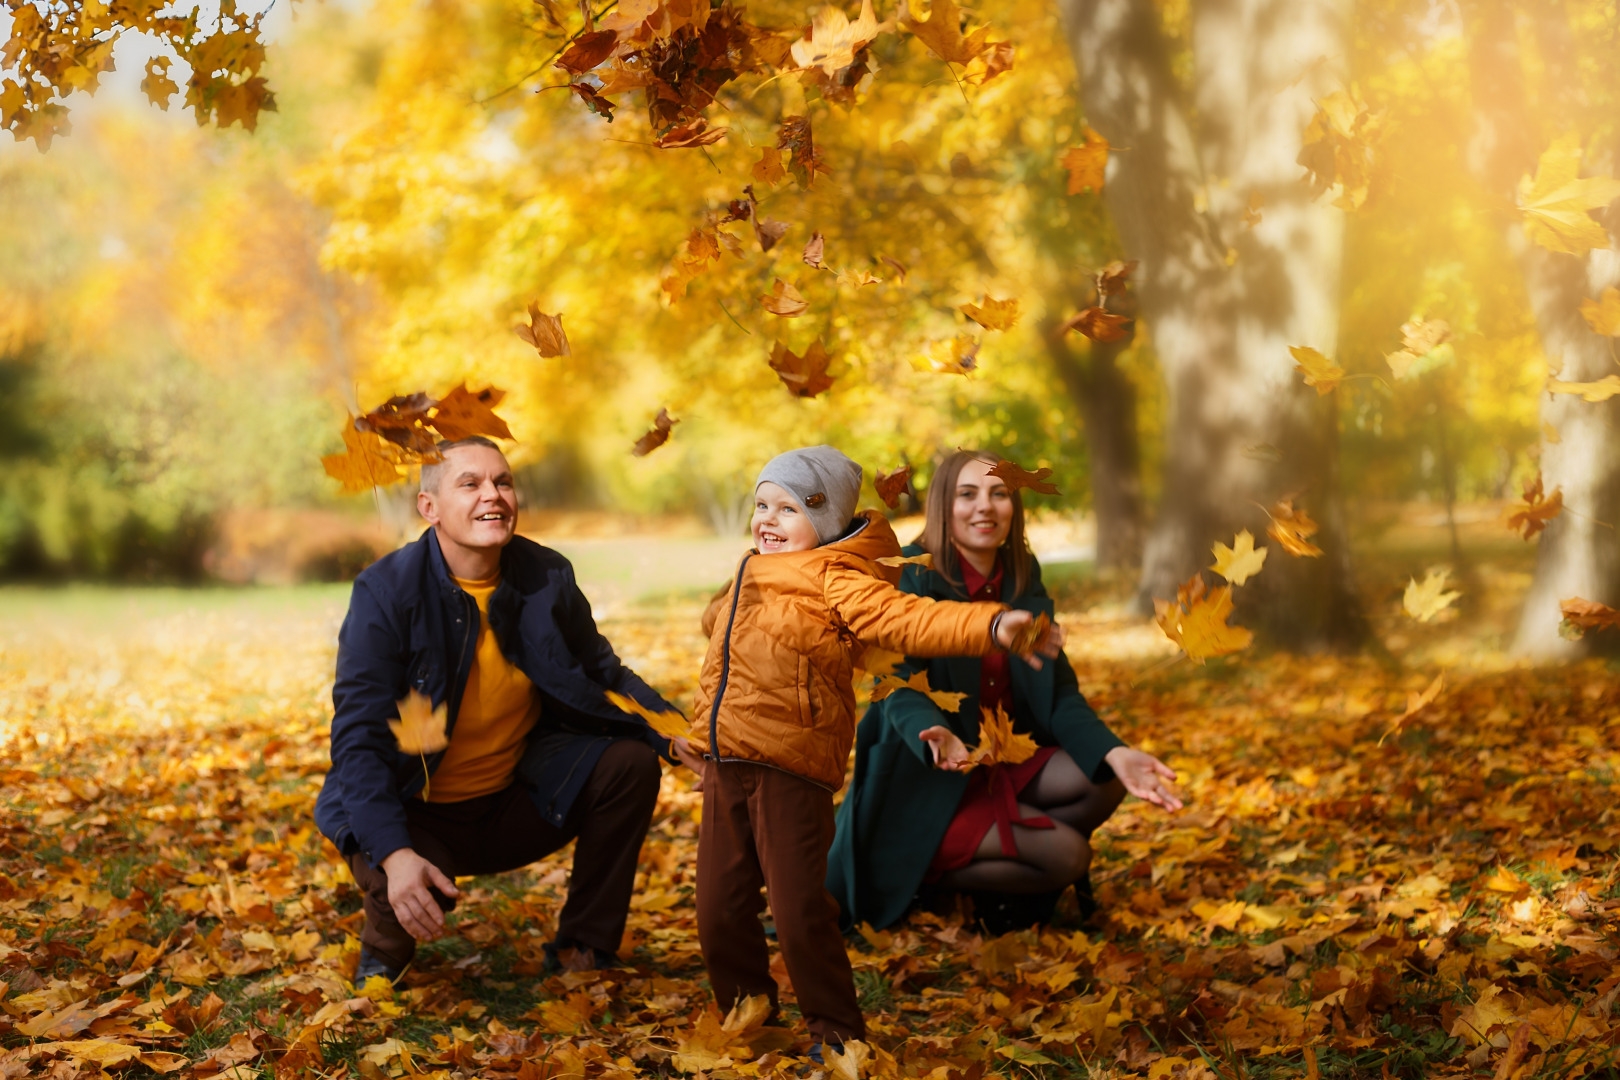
[[779, 522]]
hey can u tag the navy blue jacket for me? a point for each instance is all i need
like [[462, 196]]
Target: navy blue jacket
[[410, 626]]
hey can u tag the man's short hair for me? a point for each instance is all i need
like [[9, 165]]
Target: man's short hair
[[432, 473]]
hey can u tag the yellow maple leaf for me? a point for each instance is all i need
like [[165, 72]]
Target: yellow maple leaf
[[1087, 164], [785, 301], [992, 314], [769, 168], [953, 356], [1532, 515], [671, 725], [945, 699], [942, 32], [878, 662], [1594, 392], [1555, 202], [1196, 621], [998, 742], [1292, 529], [1241, 561], [834, 39], [1318, 370], [1603, 314], [369, 461], [420, 727], [1424, 601], [926, 559], [1415, 703]]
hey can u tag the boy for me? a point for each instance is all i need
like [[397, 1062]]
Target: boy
[[775, 717]]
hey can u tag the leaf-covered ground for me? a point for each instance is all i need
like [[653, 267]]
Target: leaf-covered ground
[[1442, 903]]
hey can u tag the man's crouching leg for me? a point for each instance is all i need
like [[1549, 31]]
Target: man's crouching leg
[[382, 937], [610, 819]]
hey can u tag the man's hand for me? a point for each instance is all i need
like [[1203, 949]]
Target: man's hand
[[1144, 776], [690, 758], [411, 881], [950, 753], [1011, 621]]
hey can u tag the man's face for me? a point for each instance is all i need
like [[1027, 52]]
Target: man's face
[[476, 505]]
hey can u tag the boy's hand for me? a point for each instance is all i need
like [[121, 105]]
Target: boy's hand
[[950, 753], [1011, 622], [690, 758], [1144, 776], [412, 883]]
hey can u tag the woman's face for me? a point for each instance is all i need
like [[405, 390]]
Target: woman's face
[[981, 509]]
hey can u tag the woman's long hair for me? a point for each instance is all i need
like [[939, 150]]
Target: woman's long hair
[[936, 535]]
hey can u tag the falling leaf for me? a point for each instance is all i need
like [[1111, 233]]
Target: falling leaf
[[1555, 203], [857, 278], [1583, 615], [769, 170], [402, 420], [1030, 635], [888, 684], [993, 314], [1416, 703], [694, 132], [420, 727], [1339, 146], [369, 462], [1087, 163], [878, 662], [1017, 477], [598, 104], [1196, 621], [804, 160], [1292, 529], [1594, 392], [1422, 336], [587, 51], [1318, 370], [785, 301], [1423, 602], [1113, 278], [1098, 325], [1537, 510], [899, 267], [461, 414], [814, 250], [656, 436], [925, 560], [806, 375], [942, 32], [1603, 314], [958, 355], [999, 743], [671, 725], [891, 485], [834, 40], [1241, 561], [545, 333]]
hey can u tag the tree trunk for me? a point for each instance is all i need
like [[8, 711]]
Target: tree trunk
[[1224, 301]]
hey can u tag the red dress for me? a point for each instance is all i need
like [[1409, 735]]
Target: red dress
[[991, 798]]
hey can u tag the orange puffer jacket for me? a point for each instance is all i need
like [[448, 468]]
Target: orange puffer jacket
[[778, 681]]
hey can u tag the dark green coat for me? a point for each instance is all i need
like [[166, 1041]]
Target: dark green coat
[[898, 805]]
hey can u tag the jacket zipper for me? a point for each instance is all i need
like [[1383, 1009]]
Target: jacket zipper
[[725, 662], [461, 667]]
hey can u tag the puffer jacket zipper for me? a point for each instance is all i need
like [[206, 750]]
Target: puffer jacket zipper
[[725, 662]]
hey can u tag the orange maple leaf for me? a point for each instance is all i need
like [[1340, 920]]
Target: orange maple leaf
[[656, 436], [891, 485], [368, 462], [992, 314], [999, 743], [402, 421], [1583, 615], [671, 724], [942, 33], [545, 333], [1087, 163], [1292, 529], [1098, 324], [420, 727], [1196, 621], [461, 414], [1537, 510], [945, 699], [785, 301], [1113, 278], [587, 51], [1016, 476], [805, 375]]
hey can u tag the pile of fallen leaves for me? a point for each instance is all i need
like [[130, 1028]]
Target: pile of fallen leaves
[[1443, 903]]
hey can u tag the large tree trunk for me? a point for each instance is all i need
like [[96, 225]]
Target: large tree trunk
[[1223, 301]]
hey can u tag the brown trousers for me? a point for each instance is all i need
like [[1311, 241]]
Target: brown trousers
[[764, 827], [504, 831]]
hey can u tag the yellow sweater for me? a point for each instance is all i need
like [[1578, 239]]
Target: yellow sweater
[[498, 710]]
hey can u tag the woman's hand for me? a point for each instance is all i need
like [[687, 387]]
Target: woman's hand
[[1010, 623], [690, 758], [950, 753], [1144, 776]]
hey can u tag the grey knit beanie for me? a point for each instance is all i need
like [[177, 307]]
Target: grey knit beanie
[[825, 482]]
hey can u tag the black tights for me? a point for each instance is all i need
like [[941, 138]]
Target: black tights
[[1047, 859]]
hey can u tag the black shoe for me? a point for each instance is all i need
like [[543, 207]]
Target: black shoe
[[583, 958], [1002, 913], [372, 964]]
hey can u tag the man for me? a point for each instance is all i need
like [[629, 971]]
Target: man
[[494, 628]]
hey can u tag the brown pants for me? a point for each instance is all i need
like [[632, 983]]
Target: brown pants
[[504, 831], [762, 826]]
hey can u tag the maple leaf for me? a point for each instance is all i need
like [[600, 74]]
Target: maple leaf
[[1113, 278], [1087, 163], [1018, 477], [796, 137], [814, 250], [891, 485], [1594, 392], [656, 436], [1292, 529], [1583, 615], [1555, 203], [1420, 336], [1339, 146], [401, 420], [785, 301], [420, 727], [368, 462], [957, 355], [1098, 324], [1030, 635], [878, 662], [1196, 621], [671, 724], [996, 59], [595, 102], [942, 32], [834, 40], [1318, 370], [1241, 561], [1416, 703], [850, 1063], [925, 560], [694, 132], [461, 414], [888, 684], [806, 376], [1537, 510], [992, 314], [157, 86], [1603, 314], [587, 51], [545, 333], [1423, 602], [768, 169], [857, 278], [999, 743]]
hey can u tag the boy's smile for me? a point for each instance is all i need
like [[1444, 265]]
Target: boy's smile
[[779, 522]]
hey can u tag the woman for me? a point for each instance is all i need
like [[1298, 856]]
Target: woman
[[1015, 835]]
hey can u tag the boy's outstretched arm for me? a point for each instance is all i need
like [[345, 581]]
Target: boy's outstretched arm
[[879, 614]]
